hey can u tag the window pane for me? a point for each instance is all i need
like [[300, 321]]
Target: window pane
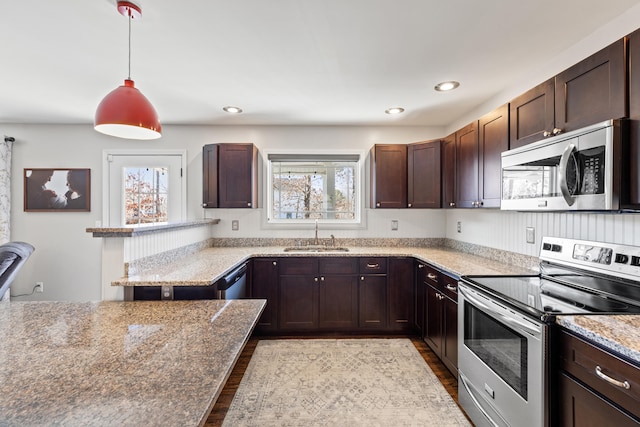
[[314, 190], [145, 195]]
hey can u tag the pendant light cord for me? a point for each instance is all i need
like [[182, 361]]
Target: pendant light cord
[[130, 18]]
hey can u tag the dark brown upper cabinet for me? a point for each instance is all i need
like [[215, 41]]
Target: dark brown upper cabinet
[[388, 176], [493, 139], [634, 115], [532, 115], [230, 176], [591, 91], [467, 166], [479, 146], [449, 171], [423, 169]]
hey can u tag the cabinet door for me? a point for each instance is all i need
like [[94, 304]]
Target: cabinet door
[[593, 90], [450, 335], [237, 175], [467, 166], [389, 176], [423, 182], [420, 299], [634, 114], [210, 176], [492, 141], [264, 285], [449, 171], [338, 302], [580, 407], [298, 305], [372, 302], [433, 324], [401, 296], [532, 114]]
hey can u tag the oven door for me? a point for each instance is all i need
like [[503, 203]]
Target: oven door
[[501, 362]]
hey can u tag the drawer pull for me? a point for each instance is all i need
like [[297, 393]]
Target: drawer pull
[[610, 380], [431, 276], [451, 288], [373, 265]]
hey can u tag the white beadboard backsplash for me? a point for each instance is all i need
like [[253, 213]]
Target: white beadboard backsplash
[[506, 230]]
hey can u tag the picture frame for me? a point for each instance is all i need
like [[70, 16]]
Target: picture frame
[[57, 190]]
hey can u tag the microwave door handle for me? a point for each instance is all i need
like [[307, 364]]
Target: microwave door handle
[[510, 321], [562, 174]]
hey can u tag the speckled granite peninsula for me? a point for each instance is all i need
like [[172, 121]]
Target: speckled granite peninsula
[[118, 363]]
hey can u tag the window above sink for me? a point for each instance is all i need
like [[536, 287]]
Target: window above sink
[[304, 187]]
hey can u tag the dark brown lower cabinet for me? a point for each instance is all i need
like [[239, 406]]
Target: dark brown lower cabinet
[[338, 302], [318, 293], [401, 293], [581, 407], [441, 317], [372, 298], [596, 387], [264, 285]]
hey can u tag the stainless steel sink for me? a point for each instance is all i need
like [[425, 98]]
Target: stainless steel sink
[[316, 249]]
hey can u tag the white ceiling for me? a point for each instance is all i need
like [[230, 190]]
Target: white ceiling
[[289, 62]]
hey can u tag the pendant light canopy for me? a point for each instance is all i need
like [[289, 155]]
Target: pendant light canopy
[[125, 112]]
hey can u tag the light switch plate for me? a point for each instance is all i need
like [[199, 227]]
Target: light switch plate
[[235, 225], [531, 235], [394, 224]]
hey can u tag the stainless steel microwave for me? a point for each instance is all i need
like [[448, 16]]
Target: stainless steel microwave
[[579, 170]]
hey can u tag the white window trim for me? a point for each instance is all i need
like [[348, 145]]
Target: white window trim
[[292, 224], [141, 152]]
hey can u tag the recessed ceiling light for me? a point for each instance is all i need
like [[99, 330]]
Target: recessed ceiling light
[[394, 110], [231, 109], [445, 86]]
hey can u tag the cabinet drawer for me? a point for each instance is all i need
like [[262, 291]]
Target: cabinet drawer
[[298, 265], [344, 265], [373, 265], [599, 370], [449, 286], [431, 276]]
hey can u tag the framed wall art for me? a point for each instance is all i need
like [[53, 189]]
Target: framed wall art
[[57, 190]]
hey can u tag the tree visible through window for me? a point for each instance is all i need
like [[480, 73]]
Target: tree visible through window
[[314, 189], [146, 195]]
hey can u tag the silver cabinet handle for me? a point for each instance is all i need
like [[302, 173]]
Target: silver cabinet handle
[[373, 265], [362, 278], [546, 134], [322, 279], [556, 131], [451, 287], [409, 205], [452, 204], [431, 276], [625, 385], [275, 262], [420, 265], [315, 279]]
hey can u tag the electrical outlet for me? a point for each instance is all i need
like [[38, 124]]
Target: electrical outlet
[[394, 224], [531, 235], [459, 226], [235, 225], [39, 287]]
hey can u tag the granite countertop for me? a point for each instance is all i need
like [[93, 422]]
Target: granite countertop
[[118, 363], [207, 266], [619, 333]]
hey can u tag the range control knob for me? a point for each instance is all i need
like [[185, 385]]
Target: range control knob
[[622, 259]]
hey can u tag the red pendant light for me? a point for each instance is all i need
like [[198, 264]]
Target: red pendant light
[[125, 112]]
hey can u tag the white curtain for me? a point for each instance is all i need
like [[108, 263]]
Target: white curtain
[[5, 190]]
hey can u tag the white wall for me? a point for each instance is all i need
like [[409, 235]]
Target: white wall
[[68, 260], [506, 230]]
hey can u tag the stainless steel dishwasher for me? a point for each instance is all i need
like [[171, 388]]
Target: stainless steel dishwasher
[[234, 284]]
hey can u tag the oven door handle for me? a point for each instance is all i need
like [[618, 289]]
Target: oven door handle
[[511, 321]]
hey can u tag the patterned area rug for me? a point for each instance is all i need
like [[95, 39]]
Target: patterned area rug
[[341, 382]]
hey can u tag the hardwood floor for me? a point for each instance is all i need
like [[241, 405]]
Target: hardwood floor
[[226, 396]]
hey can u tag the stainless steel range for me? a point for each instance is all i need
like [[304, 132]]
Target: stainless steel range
[[504, 325]]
